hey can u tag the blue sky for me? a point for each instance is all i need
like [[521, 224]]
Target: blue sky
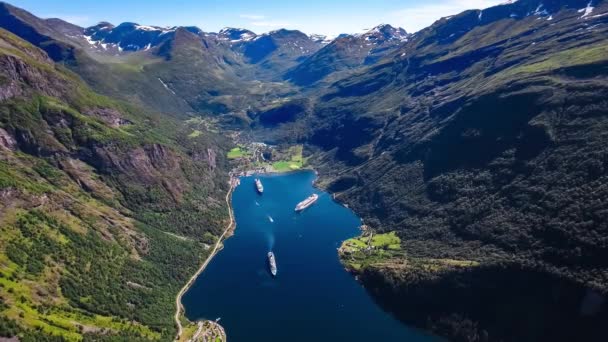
[[329, 17]]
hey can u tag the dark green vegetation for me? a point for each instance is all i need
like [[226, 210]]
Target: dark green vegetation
[[90, 189], [480, 141]]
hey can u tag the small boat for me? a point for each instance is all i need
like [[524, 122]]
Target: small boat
[[272, 263], [258, 186]]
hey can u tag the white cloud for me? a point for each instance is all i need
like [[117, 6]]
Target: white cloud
[[252, 16], [420, 16]]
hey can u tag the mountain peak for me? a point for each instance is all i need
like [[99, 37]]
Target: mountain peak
[[283, 32], [385, 32], [321, 38], [236, 34]]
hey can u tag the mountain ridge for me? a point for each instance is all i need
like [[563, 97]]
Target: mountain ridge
[[91, 190]]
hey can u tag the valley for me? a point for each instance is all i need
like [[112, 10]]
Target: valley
[[474, 151]]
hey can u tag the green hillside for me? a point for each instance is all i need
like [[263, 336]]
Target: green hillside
[[87, 207]]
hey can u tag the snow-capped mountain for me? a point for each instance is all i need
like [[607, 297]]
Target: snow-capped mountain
[[321, 39], [235, 35], [130, 36], [348, 51], [385, 33]]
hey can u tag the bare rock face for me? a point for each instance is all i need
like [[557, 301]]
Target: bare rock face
[[6, 140], [110, 116], [9, 90], [82, 174], [19, 75], [211, 155], [152, 164]]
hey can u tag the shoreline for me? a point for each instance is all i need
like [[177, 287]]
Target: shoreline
[[234, 182], [250, 173]]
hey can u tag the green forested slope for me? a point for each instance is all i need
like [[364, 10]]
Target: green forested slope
[[91, 189], [482, 143]]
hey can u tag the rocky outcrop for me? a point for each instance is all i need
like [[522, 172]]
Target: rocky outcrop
[[21, 78], [110, 116], [211, 156], [83, 174], [6, 140], [150, 165]]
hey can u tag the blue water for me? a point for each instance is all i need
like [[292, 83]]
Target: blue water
[[312, 298]]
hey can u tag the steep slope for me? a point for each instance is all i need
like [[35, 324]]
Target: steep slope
[[115, 76], [52, 35], [205, 73], [275, 52], [177, 70], [104, 207], [482, 143], [348, 52], [130, 36]]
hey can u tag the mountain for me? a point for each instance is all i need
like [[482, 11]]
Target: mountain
[[118, 77], [477, 145], [131, 36], [347, 52], [275, 52], [235, 35], [480, 143], [321, 39], [137, 63], [98, 198], [52, 35]]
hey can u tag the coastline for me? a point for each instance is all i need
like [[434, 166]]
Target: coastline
[[234, 182], [249, 173]]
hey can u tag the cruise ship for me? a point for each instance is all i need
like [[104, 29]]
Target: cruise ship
[[272, 263], [307, 202], [258, 186]]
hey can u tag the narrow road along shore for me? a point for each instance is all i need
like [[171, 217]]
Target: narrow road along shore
[[178, 299]]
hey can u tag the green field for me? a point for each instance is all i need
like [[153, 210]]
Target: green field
[[293, 160], [386, 241], [236, 153]]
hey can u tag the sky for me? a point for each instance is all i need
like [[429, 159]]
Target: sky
[[329, 17]]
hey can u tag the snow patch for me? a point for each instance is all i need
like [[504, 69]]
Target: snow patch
[[166, 86], [599, 15], [540, 11], [146, 28], [90, 40], [587, 10]]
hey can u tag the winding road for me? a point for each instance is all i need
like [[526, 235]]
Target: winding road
[[178, 299]]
